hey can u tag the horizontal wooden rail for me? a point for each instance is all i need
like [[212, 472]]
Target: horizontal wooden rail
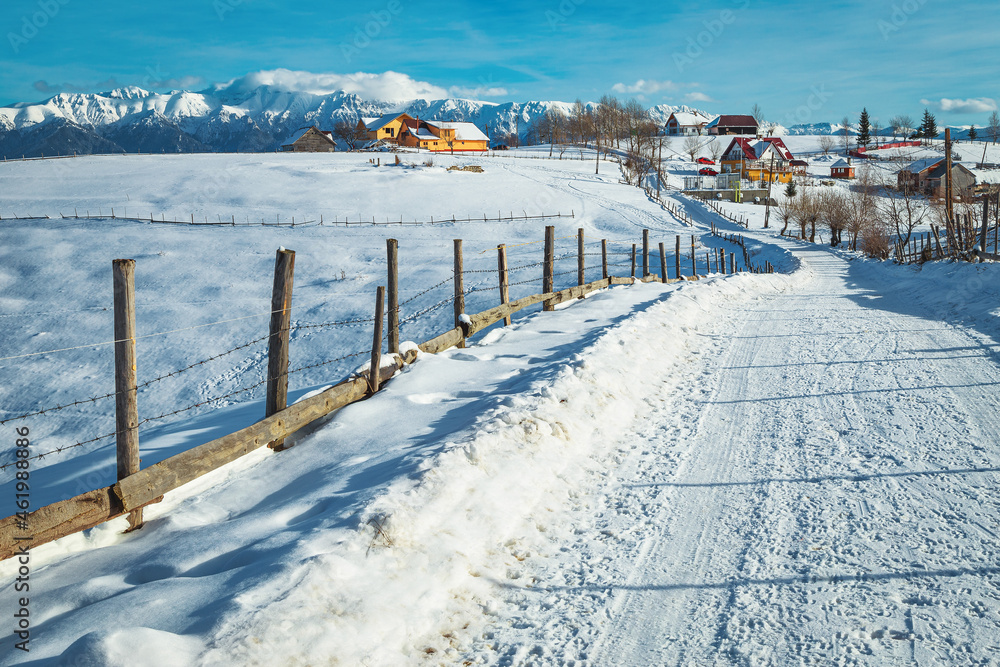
[[149, 485]]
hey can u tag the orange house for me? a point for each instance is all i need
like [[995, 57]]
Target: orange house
[[387, 127], [443, 136]]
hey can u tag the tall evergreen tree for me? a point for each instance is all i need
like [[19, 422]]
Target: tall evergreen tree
[[928, 128], [864, 129], [973, 135]]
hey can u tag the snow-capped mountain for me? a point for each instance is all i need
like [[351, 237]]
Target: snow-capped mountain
[[232, 119]]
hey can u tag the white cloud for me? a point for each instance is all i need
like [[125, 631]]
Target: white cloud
[[698, 97], [643, 86], [387, 86], [971, 105], [477, 93]]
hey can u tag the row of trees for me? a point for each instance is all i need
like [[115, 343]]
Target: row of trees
[[903, 126]]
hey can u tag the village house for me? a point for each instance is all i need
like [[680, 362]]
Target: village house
[[386, 127], [311, 140], [443, 136], [842, 169], [685, 124], [758, 159], [729, 125], [927, 176]]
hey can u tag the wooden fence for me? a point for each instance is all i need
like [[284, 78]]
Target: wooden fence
[[959, 240], [137, 488], [231, 221]]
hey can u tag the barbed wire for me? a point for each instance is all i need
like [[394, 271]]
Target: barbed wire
[[327, 325], [425, 311], [138, 387], [429, 289], [331, 361], [57, 450]]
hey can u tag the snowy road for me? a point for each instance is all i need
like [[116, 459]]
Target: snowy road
[[819, 487]]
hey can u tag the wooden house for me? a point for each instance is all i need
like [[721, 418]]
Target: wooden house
[[443, 136], [927, 176], [726, 125], [842, 169], [758, 159], [800, 167], [685, 124], [311, 140]]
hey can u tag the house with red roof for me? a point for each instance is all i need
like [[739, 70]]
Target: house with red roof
[[765, 159], [726, 125]]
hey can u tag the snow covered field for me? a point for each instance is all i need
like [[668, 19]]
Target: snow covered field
[[782, 469]]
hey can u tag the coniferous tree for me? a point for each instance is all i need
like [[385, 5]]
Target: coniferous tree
[[928, 128], [864, 129], [973, 135], [790, 189]]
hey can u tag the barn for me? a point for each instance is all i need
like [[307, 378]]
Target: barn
[[310, 140]]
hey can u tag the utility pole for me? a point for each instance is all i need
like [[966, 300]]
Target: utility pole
[[770, 182], [949, 204], [659, 169]]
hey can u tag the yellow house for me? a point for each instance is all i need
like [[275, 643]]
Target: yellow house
[[765, 159], [443, 136], [387, 127]]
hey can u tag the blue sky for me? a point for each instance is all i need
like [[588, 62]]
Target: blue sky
[[801, 62]]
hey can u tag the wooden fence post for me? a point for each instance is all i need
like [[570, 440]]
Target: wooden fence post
[[645, 253], [459, 287], [677, 258], [126, 393], [732, 263], [547, 265], [581, 273], [392, 250], [604, 259], [277, 345], [722, 260], [376, 362], [986, 225], [663, 263], [633, 261], [694, 259], [504, 280]]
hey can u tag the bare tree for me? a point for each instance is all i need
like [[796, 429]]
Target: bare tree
[[862, 204], [715, 149], [901, 125], [993, 126], [826, 143], [786, 212], [758, 114], [834, 214], [806, 212], [350, 134], [876, 129], [902, 207], [846, 122], [692, 146]]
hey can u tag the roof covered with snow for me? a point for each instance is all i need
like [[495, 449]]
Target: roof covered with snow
[[755, 149], [377, 124], [692, 119], [463, 131]]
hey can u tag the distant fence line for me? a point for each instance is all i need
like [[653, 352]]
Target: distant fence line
[[321, 221]]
